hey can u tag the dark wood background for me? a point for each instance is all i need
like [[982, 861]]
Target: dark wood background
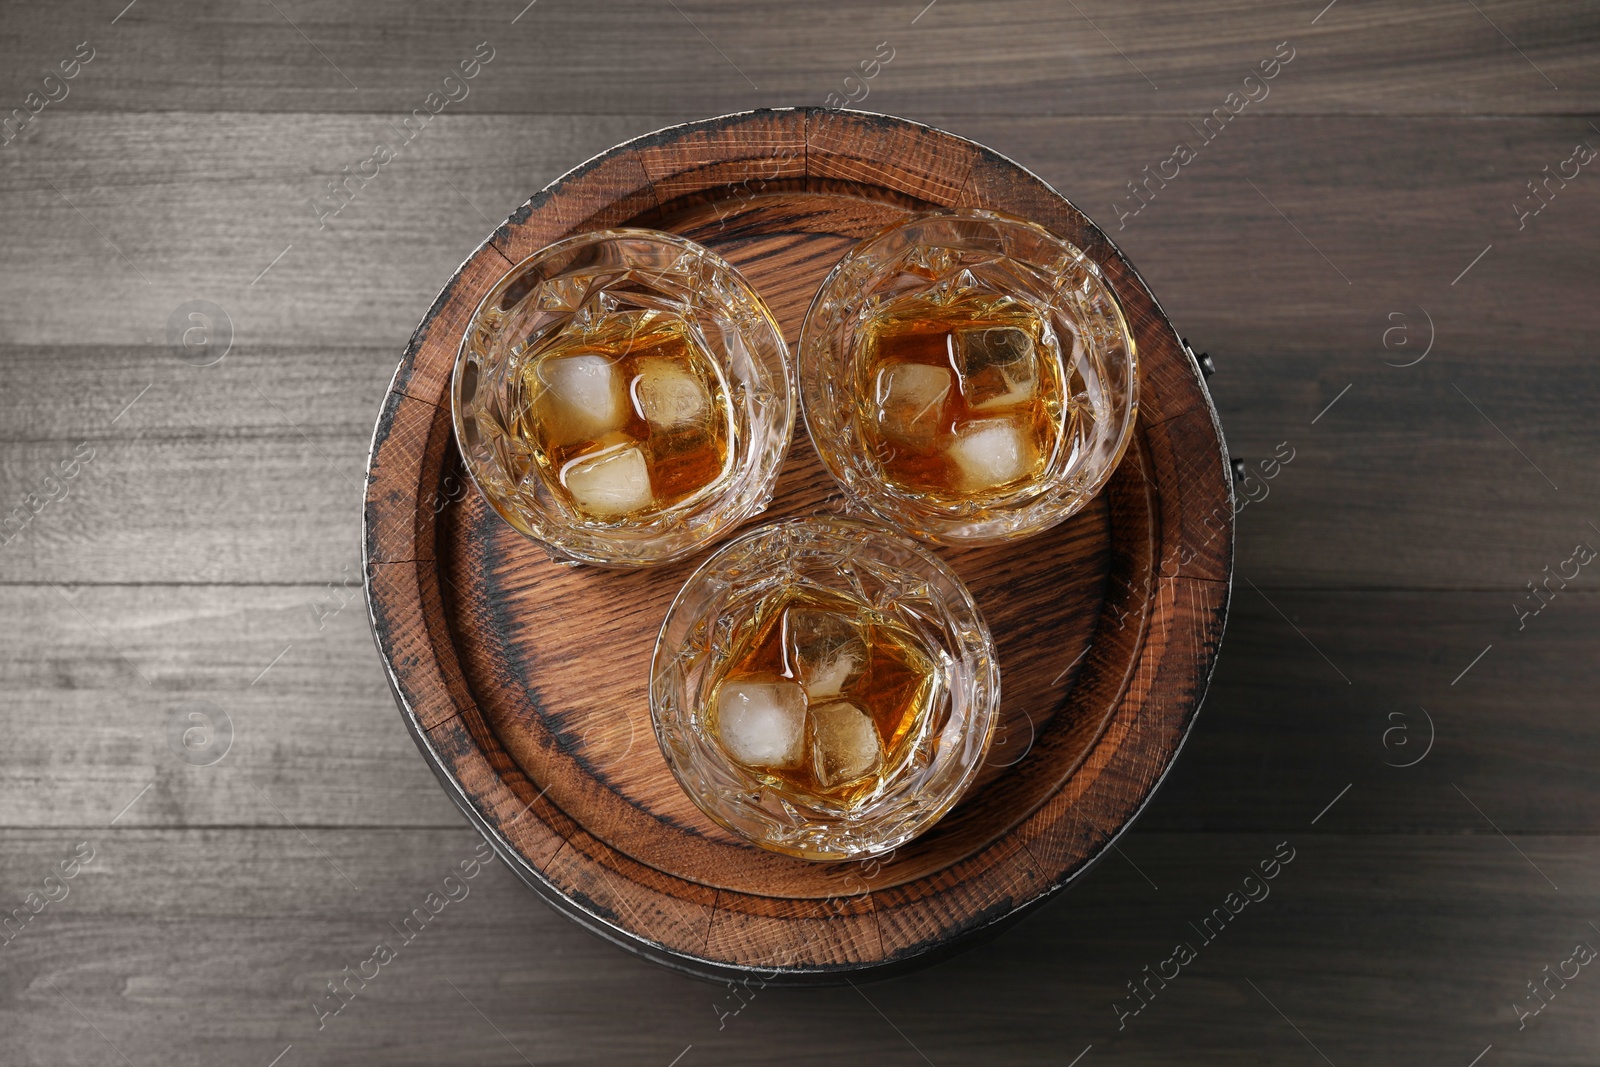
[[204, 552]]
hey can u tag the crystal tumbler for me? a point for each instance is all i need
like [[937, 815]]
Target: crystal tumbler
[[824, 687], [968, 376], [623, 398]]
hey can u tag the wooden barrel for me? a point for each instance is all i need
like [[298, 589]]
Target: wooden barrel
[[524, 682]]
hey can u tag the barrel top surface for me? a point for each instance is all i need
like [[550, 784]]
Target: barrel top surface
[[525, 682]]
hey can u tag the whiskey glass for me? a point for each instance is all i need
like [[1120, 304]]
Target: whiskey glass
[[824, 687], [968, 376], [623, 397]]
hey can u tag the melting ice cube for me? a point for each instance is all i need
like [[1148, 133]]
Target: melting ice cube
[[762, 724], [997, 366], [579, 398], [609, 483], [670, 396], [844, 743], [993, 452], [688, 430], [825, 650], [911, 399]]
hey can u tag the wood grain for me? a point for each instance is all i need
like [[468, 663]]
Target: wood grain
[[313, 733], [228, 957], [319, 735], [717, 56], [203, 481], [1400, 204]]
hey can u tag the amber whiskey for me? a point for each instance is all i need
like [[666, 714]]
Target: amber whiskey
[[823, 697], [625, 417], [963, 399]]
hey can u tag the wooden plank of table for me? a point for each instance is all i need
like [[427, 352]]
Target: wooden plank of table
[[1453, 474], [1329, 241], [247, 471], [708, 57], [250, 471], [190, 947], [1316, 691], [146, 215], [103, 681], [317, 740]]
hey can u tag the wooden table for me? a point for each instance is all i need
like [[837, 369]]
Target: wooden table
[[1407, 570]]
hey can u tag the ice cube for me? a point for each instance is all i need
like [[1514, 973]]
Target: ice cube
[[992, 452], [689, 429], [670, 396], [762, 724], [825, 650], [911, 400], [609, 483], [844, 744], [579, 398], [997, 365]]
